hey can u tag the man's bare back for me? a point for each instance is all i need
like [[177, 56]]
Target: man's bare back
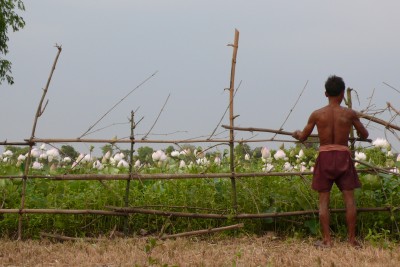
[[333, 124]]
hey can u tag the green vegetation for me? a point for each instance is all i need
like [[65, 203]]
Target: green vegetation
[[211, 195]]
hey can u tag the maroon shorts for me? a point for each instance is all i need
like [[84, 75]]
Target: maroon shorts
[[334, 167]]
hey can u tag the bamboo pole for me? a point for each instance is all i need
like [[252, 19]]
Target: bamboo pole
[[14, 143], [232, 118], [132, 138], [169, 213], [379, 121], [350, 106], [185, 141], [117, 211], [166, 176], [39, 113], [252, 129], [243, 215], [61, 211], [205, 231], [115, 141]]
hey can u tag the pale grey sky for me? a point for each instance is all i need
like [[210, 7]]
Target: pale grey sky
[[109, 47]]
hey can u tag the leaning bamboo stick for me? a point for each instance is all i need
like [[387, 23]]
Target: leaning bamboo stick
[[205, 231], [39, 112], [376, 120]]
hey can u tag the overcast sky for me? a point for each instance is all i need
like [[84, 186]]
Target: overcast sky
[[110, 47]]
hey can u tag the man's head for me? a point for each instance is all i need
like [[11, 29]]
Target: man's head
[[334, 86]]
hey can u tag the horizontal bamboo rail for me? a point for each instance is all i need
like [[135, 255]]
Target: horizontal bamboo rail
[[240, 216], [182, 141], [127, 140], [252, 129], [7, 143], [60, 211], [163, 176], [117, 211], [112, 141]]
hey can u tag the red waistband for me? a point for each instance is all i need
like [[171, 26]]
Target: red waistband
[[334, 147]]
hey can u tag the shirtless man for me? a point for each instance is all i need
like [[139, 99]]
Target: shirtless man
[[334, 163]]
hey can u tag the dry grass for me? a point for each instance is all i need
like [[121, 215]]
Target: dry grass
[[212, 251]]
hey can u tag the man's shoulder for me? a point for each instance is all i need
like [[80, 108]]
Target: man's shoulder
[[348, 110], [326, 108], [321, 110]]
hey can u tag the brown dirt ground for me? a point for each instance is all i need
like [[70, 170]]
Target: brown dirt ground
[[195, 251]]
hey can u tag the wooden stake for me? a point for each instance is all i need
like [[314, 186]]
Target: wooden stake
[[350, 105], [132, 138], [231, 119]]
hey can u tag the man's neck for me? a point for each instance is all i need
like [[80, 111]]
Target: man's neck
[[335, 100]]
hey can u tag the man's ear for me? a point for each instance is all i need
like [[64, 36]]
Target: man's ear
[[326, 94]]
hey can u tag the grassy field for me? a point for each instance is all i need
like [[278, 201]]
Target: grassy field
[[266, 250]]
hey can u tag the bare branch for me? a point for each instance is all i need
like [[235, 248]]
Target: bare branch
[[159, 114], [391, 107], [122, 99], [291, 110], [206, 231], [391, 87]]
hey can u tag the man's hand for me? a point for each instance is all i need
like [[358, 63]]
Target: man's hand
[[296, 134]]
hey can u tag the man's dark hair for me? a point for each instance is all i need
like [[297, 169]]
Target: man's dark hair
[[334, 85]]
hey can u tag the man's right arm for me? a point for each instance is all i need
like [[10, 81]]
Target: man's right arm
[[302, 135]]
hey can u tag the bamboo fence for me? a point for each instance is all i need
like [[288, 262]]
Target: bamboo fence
[[126, 210]]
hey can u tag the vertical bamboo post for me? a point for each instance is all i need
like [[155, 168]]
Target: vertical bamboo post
[[39, 113], [350, 105], [231, 119], [128, 182]]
